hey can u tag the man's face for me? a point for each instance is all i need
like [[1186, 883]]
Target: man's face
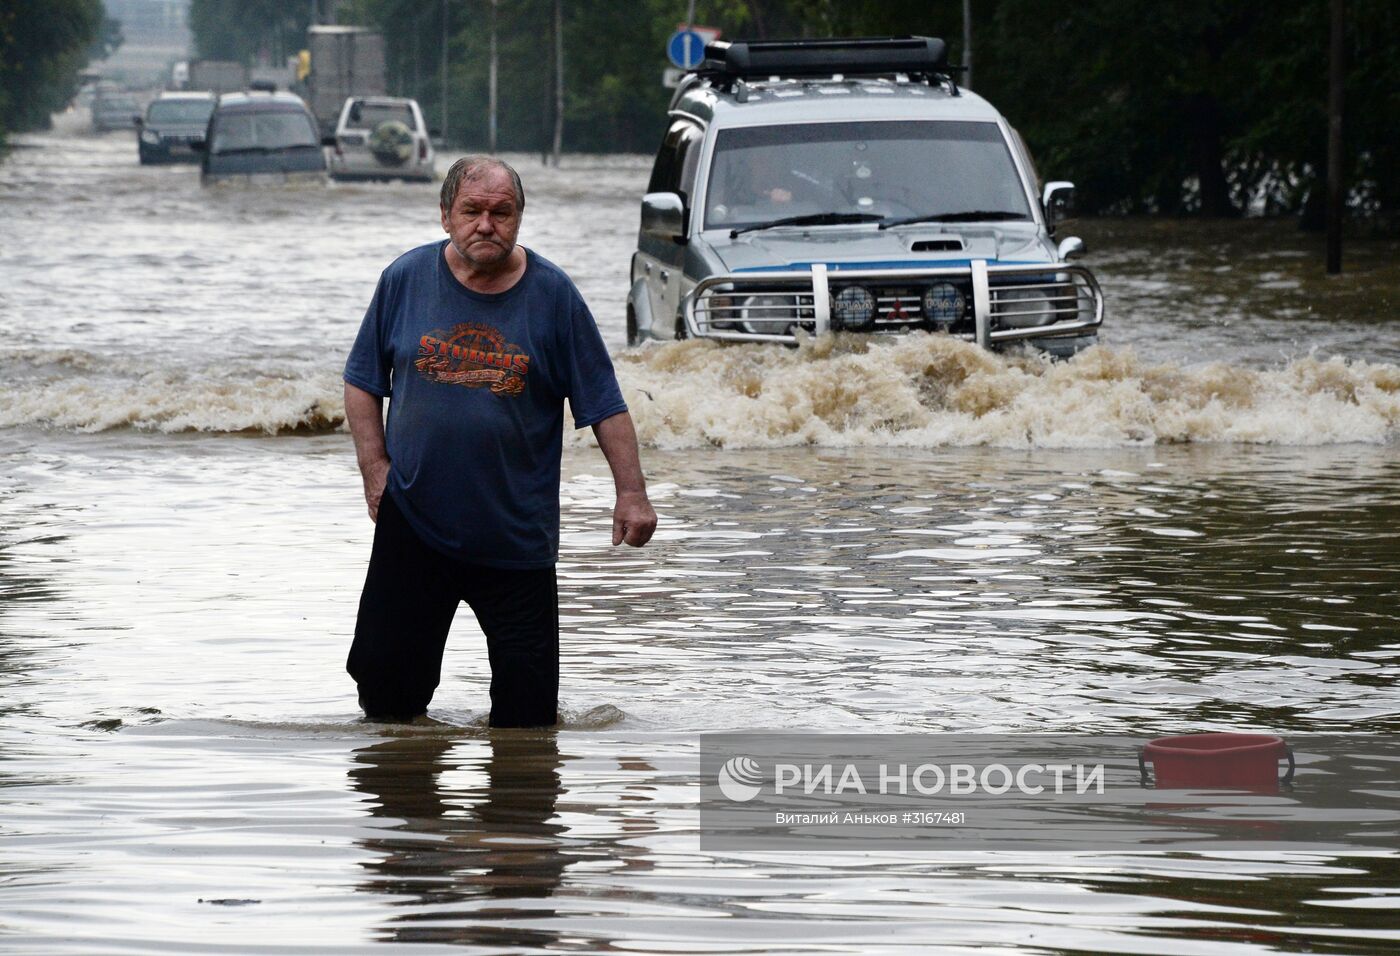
[[484, 219]]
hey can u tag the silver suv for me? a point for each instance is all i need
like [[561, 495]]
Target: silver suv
[[381, 137], [815, 185]]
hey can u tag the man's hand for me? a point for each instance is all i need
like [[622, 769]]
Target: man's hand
[[633, 517], [365, 414], [375, 476], [634, 520]]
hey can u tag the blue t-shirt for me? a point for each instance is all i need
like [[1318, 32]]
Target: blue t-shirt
[[476, 385]]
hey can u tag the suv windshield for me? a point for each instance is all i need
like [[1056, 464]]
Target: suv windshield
[[185, 112], [893, 170], [264, 130], [370, 115]]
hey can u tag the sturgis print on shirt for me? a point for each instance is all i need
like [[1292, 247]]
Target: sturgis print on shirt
[[473, 355]]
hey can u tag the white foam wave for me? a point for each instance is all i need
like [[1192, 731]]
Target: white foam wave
[[176, 402], [922, 391], [931, 391]]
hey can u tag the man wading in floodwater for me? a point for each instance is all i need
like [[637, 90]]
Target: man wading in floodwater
[[476, 342]]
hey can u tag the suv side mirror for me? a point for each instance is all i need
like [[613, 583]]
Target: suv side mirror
[[663, 216], [1058, 202], [1072, 247]]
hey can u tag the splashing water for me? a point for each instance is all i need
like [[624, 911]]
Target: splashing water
[[919, 391], [930, 391]]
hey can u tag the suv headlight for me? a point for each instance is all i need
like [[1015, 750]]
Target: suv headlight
[[943, 303], [150, 138], [766, 314], [853, 307], [1022, 308]]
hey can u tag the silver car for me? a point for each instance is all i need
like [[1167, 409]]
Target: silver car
[[808, 186], [115, 109]]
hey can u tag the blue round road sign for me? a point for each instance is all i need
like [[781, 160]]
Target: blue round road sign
[[686, 48]]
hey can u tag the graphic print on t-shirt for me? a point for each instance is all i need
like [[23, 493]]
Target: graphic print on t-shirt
[[473, 354]]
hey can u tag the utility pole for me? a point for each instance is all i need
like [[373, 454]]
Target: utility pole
[[416, 88], [558, 79], [443, 70], [491, 84], [1336, 192], [967, 43]]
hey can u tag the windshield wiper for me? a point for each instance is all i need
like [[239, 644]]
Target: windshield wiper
[[812, 219], [975, 215]]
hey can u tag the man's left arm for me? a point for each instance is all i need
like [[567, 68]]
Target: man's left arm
[[634, 520]]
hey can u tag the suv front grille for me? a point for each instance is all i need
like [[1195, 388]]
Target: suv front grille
[[1019, 298], [898, 306], [902, 306]]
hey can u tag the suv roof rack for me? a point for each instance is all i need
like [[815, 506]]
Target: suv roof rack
[[727, 63]]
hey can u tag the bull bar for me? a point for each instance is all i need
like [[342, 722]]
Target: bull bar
[[811, 299]]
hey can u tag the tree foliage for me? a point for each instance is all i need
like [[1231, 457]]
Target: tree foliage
[[43, 46], [108, 40], [1211, 107], [1197, 106], [248, 30]]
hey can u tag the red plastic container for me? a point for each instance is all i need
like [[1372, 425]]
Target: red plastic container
[[1220, 761]]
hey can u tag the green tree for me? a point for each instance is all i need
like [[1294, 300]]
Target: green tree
[[43, 46], [248, 30], [1285, 135], [108, 40]]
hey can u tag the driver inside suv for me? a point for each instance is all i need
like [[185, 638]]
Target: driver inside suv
[[765, 183]]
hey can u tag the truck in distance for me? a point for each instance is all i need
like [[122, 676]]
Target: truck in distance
[[345, 62]]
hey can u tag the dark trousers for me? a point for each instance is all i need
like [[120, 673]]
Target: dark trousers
[[411, 594]]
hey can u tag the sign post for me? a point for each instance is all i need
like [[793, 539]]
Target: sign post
[[686, 49]]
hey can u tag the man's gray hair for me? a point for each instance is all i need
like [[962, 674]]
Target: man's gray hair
[[471, 168]]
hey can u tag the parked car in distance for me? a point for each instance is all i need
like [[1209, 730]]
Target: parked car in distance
[[268, 137], [381, 137], [850, 185], [114, 109], [173, 123]]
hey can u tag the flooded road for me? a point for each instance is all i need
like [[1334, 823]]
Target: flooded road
[[1191, 528]]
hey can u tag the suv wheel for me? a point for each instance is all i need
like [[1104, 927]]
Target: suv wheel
[[681, 332], [632, 337]]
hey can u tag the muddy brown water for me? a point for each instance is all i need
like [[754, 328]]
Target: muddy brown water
[[1189, 528]]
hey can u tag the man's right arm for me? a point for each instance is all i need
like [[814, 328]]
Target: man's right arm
[[365, 414]]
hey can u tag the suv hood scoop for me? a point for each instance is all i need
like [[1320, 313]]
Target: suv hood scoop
[[936, 245]]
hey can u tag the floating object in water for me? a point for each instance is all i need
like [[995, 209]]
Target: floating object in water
[[1217, 761]]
